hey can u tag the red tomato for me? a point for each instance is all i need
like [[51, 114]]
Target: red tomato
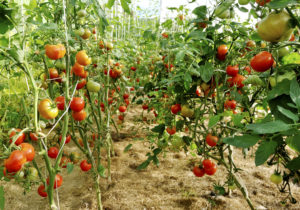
[[211, 171], [28, 151], [41, 191], [133, 68], [262, 61], [122, 108], [20, 139], [221, 57], [121, 117], [78, 70], [60, 102], [199, 172], [53, 152], [262, 2], [232, 70], [132, 89], [85, 166], [79, 116], [165, 35], [77, 104], [57, 182], [230, 104], [81, 84], [145, 107], [55, 52], [211, 140], [175, 108], [248, 69], [207, 163], [171, 131], [125, 96], [68, 138], [237, 80], [155, 113], [53, 73], [33, 136], [113, 74], [222, 50], [15, 161], [292, 38], [64, 161]]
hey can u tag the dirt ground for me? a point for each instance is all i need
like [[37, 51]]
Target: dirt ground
[[171, 186]]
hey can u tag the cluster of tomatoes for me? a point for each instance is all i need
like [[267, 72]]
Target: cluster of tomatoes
[[208, 167]]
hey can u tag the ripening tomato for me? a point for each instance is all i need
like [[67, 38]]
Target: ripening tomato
[[82, 58], [122, 109], [86, 34], [175, 108], [20, 139], [262, 2], [47, 109], [207, 163], [55, 52], [79, 116], [75, 156], [172, 130], [292, 38], [64, 161], [77, 104], [28, 151], [41, 191], [57, 182], [211, 171], [85, 166], [60, 102], [33, 136], [53, 152], [198, 172], [145, 106], [53, 73], [222, 50], [250, 44], [186, 111], [211, 140], [262, 61], [165, 35], [232, 70], [68, 138], [15, 161], [230, 104], [81, 84], [78, 70]]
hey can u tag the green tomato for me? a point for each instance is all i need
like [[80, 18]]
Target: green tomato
[[79, 31], [81, 13], [32, 174], [177, 142], [244, 2], [60, 65], [275, 27], [290, 75], [283, 51], [232, 186], [222, 12], [276, 178], [93, 86]]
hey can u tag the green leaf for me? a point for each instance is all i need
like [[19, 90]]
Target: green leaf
[[295, 92], [268, 127], [187, 140], [294, 143], [213, 120], [127, 148], [206, 72], [200, 12], [179, 125], [278, 4], [288, 113], [110, 3], [70, 167], [180, 55], [294, 164], [196, 35], [244, 141], [159, 129], [280, 89], [125, 6], [101, 171], [264, 151], [237, 120], [2, 200], [144, 164]]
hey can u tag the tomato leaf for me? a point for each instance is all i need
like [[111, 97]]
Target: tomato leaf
[[295, 92], [280, 89], [159, 129], [70, 167], [110, 3], [244, 141], [200, 12], [294, 164], [288, 113], [2, 200], [144, 164], [278, 4], [213, 120], [264, 151], [237, 120], [294, 143], [268, 127], [180, 55], [127, 148], [179, 125], [101, 171], [206, 71]]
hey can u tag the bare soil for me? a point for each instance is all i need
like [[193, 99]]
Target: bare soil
[[171, 186]]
